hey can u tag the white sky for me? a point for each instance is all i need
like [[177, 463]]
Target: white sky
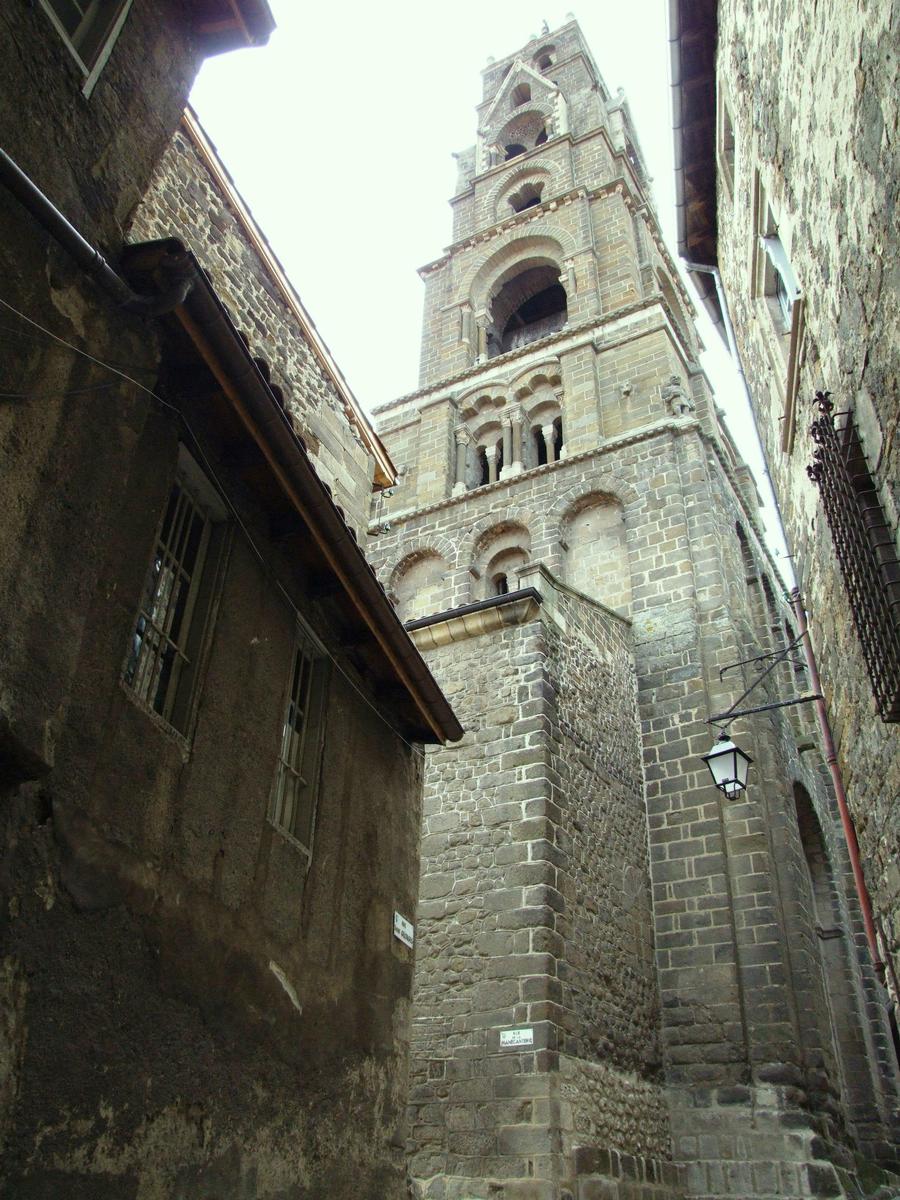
[[339, 136]]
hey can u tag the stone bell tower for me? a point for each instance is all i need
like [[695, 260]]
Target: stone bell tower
[[620, 988]]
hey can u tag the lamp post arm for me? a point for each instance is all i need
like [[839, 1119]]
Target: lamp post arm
[[779, 658], [731, 715]]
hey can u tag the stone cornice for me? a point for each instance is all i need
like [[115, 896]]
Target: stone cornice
[[474, 620], [676, 427], [445, 386]]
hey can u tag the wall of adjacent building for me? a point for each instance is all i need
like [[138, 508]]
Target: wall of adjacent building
[[185, 201], [185, 1010], [829, 172]]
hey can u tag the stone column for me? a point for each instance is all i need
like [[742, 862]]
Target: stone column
[[516, 457], [549, 441], [482, 320], [490, 453], [506, 424], [462, 454], [465, 324]]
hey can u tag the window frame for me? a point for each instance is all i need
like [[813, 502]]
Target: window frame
[[178, 707], [726, 144], [771, 274], [90, 65], [306, 755]]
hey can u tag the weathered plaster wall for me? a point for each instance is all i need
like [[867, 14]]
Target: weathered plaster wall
[[184, 201], [183, 1010], [827, 157], [93, 157], [193, 1013]]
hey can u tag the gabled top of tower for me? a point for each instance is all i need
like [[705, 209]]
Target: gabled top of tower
[[562, 57], [547, 89]]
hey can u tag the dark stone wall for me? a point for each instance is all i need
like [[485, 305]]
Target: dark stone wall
[[184, 1010], [150, 914], [93, 155]]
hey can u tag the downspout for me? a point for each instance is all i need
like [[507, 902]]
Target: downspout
[[837, 779], [88, 258]]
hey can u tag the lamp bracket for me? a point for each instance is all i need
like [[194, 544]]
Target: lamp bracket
[[774, 658]]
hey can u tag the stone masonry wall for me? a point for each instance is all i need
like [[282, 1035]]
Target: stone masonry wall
[[829, 170], [184, 201], [534, 909]]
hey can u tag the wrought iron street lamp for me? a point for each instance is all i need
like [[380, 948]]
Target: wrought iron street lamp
[[728, 766]]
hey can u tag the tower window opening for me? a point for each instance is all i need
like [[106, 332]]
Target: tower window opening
[[521, 94], [541, 314], [513, 150], [541, 138], [545, 58], [528, 196], [500, 584], [484, 471], [540, 446]]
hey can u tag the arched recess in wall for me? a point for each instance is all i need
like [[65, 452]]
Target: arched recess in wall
[[418, 584], [841, 1025], [527, 302], [511, 194], [498, 552], [524, 132], [539, 395], [595, 550]]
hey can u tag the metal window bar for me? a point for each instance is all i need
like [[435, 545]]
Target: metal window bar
[[158, 655], [864, 546], [291, 807]]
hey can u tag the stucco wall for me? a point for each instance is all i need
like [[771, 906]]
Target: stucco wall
[[194, 1010]]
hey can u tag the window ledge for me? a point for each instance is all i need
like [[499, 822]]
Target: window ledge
[[288, 837], [183, 743]]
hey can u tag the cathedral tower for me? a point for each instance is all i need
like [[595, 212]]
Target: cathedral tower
[[619, 982]]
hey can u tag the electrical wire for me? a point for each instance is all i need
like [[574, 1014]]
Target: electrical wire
[[267, 570], [97, 387]]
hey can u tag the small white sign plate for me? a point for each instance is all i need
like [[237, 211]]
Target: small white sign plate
[[516, 1037], [404, 930]]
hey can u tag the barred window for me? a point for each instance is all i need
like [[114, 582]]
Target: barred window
[[161, 666], [295, 792], [864, 545]]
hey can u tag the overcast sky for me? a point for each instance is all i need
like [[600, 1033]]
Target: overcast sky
[[340, 133]]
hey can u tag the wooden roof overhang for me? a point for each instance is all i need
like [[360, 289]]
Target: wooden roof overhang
[[223, 25], [693, 36], [273, 464]]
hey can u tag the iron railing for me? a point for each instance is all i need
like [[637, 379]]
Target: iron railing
[[864, 545]]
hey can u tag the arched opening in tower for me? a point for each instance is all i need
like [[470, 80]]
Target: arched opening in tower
[[530, 306], [513, 150]]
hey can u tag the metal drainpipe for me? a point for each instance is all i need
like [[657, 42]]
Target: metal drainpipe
[[88, 258], [837, 779]]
